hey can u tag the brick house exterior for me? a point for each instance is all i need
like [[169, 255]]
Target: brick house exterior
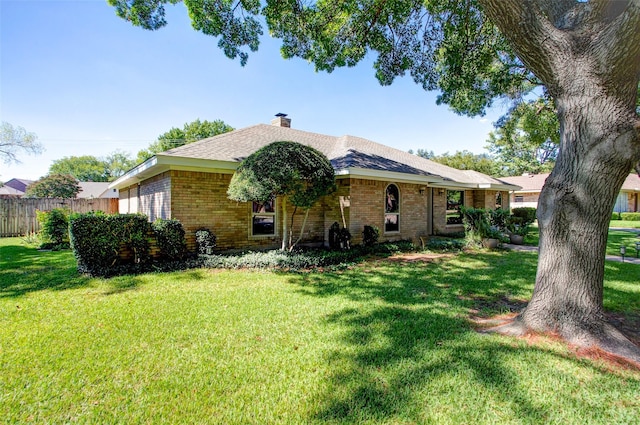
[[531, 185], [190, 184]]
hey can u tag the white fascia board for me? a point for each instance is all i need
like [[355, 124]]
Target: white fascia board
[[160, 163], [369, 174]]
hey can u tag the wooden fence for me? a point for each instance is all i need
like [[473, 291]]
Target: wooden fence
[[18, 216]]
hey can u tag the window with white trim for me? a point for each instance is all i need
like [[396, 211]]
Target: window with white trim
[[263, 218], [392, 209]]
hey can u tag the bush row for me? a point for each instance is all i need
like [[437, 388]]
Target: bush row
[[100, 242], [626, 216]]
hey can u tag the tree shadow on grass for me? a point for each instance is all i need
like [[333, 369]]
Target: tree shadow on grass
[[408, 353]]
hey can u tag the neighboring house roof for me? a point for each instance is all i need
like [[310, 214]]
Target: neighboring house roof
[[96, 190], [9, 192], [349, 155], [19, 184], [529, 183], [533, 182], [631, 183]]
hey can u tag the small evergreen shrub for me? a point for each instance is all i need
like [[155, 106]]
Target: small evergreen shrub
[[528, 214], [339, 238], [630, 216], [499, 218], [54, 228], [170, 237], [476, 225], [370, 235], [205, 241], [616, 216]]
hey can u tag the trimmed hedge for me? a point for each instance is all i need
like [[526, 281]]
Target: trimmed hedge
[[97, 240], [630, 216], [528, 214], [170, 237]]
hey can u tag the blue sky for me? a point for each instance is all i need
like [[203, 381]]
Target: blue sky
[[88, 83]]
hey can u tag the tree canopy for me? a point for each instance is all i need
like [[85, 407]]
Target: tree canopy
[[464, 160], [88, 168], [16, 139], [53, 186], [586, 54], [189, 133], [297, 173]]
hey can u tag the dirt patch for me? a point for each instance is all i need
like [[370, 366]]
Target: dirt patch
[[416, 257]]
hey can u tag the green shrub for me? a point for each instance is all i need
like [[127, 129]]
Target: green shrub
[[445, 244], [205, 241], [616, 216], [97, 238], [630, 216], [170, 237], [370, 235], [54, 228], [528, 214], [476, 225], [339, 238], [499, 218]]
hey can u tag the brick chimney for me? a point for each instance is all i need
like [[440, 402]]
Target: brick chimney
[[281, 120]]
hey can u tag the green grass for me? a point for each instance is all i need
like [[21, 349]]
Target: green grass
[[615, 239], [379, 343], [625, 224]]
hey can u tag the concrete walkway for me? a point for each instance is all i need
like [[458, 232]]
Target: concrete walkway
[[629, 258]]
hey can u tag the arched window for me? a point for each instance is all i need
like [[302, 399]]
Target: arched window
[[392, 209]]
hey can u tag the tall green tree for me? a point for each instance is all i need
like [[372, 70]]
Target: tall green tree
[[86, 168], [53, 186], [293, 172], [586, 53], [117, 163], [16, 139], [527, 138], [191, 132], [464, 160]]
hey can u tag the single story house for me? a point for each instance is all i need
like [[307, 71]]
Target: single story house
[[92, 190], [531, 186], [404, 195], [14, 188]]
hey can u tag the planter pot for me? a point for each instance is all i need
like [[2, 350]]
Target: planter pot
[[516, 239], [490, 243]]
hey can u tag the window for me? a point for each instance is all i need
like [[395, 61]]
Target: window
[[498, 200], [455, 200], [392, 209], [519, 198], [263, 218]]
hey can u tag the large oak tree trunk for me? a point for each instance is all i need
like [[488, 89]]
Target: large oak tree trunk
[[588, 57], [573, 214]]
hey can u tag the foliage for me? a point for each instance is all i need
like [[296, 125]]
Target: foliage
[[298, 173], [630, 216], [191, 132], [499, 218], [370, 235], [53, 186], [527, 214], [15, 139], [339, 238], [97, 240], [54, 226], [205, 241], [465, 160], [477, 225], [302, 259], [615, 216], [445, 244], [170, 237], [526, 139], [88, 168]]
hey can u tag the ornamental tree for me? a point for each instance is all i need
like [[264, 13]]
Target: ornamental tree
[[585, 53], [53, 186], [293, 172]]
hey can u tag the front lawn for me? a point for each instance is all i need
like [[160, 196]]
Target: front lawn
[[615, 239], [383, 342]]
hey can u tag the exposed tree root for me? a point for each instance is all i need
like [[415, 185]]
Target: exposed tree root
[[606, 342]]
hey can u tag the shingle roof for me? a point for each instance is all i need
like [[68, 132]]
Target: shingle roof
[[344, 152], [528, 182], [631, 183], [96, 190]]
